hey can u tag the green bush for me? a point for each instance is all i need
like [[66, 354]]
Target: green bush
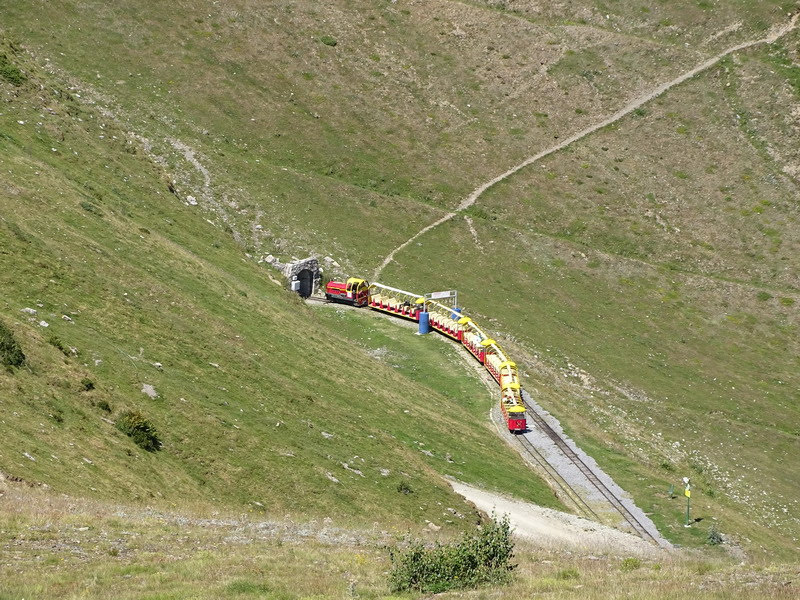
[[714, 536], [11, 354], [630, 564], [328, 40], [11, 73], [140, 430], [483, 557], [54, 341], [404, 488], [567, 574]]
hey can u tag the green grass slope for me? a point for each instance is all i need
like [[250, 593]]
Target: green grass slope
[[260, 402], [646, 276], [660, 256]]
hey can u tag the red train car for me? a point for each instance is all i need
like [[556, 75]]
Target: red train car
[[354, 291]]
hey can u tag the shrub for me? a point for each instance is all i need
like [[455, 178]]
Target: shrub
[[566, 574], [143, 433], [483, 557], [630, 564], [714, 536], [87, 385], [703, 568], [11, 354], [328, 40], [104, 406], [91, 208], [54, 341], [11, 73], [404, 488]]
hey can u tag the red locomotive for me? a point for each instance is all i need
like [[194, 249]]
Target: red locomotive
[[354, 291]]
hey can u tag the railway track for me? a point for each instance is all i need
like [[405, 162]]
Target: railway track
[[567, 450], [561, 483]]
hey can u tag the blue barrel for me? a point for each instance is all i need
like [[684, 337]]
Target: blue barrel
[[456, 314], [424, 323]]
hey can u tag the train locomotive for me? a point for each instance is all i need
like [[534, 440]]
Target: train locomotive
[[448, 322]]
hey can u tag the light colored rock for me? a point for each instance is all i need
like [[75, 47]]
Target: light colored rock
[[149, 390]]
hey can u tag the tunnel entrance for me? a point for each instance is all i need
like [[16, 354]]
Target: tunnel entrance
[[304, 276], [306, 279]]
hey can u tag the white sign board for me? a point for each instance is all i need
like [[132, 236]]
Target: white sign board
[[440, 295]]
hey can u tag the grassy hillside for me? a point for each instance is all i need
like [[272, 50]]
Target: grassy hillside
[[647, 275], [260, 403]]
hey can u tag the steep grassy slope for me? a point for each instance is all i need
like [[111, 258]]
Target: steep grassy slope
[[358, 130], [653, 265], [142, 304], [660, 256]]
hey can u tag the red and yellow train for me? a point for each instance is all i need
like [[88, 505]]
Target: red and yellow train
[[447, 321]]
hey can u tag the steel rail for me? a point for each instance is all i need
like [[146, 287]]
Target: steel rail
[[580, 504], [590, 475]]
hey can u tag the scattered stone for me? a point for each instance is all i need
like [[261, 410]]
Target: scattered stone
[[44, 324], [67, 318], [158, 366], [30, 311], [432, 526], [351, 469], [331, 477], [28, 456], [191, 201], [327, 435], [149, 390], [87, 461], [427, 452], [385, 472], [215, 365]]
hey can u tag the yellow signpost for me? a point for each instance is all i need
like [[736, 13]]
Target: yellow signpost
[[688, 493]]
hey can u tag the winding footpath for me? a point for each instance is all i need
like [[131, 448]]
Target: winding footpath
[[776, 33]]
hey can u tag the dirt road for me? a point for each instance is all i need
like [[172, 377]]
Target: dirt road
[[554, 530]]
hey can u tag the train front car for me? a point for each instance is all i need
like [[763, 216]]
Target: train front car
[[354, 291], [517, 423], [512, 406]]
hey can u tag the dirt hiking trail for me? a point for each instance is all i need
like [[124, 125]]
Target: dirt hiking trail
[[776, 32]]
